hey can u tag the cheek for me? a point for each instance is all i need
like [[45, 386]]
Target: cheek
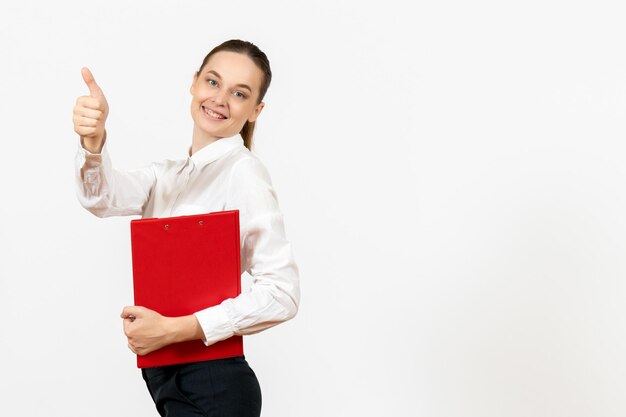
[[200, 93], [245, 110], [236, 110]]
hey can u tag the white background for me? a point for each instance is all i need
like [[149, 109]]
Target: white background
[[452, 177]]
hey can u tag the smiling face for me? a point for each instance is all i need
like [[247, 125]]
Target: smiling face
[[225, 96]]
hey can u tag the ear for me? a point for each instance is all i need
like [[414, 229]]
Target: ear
[[257, 111], [193, 84]]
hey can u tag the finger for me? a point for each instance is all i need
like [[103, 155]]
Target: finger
[[81, 111], [85, 131], [85, 121], [94, 89], [127, 330], [89, 103], [131, 311], [126, 311]]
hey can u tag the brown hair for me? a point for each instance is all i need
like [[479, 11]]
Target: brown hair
[[260, 59]]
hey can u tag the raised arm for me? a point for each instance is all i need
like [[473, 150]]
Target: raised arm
[[101, 189], [90, 115]]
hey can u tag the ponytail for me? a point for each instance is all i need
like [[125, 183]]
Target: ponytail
[[246, 134]]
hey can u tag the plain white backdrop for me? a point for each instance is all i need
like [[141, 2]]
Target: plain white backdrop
[[452, 178]]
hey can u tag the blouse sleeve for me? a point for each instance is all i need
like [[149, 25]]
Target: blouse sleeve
[[266, 255], [105, 191]]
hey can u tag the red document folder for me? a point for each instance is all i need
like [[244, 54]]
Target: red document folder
[[182, 265]]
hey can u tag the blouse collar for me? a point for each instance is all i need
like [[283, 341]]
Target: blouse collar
[[215, 150]]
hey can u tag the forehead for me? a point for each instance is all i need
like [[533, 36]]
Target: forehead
[[235, 68]]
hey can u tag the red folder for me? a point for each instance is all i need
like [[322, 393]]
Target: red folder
[[182, 265]]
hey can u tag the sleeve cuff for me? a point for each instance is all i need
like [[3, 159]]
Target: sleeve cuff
[[215, 324]]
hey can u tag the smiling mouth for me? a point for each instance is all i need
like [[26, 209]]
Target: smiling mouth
[[213, 114]]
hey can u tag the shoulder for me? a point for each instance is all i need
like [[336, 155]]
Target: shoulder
[[246, 166], [249, 184]]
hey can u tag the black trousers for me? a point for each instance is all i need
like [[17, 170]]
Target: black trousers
[[218, 388]]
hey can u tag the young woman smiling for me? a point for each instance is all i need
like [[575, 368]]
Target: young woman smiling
[[219, 173]]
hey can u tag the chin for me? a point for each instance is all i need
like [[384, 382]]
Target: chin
[[218, 133]]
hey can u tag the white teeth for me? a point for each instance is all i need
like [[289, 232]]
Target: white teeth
[[213, 114]]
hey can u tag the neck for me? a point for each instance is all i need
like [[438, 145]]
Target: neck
[[200, 139]]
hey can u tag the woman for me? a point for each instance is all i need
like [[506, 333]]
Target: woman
[[220, 173]]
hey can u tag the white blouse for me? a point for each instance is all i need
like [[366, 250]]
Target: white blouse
[[223, 175]]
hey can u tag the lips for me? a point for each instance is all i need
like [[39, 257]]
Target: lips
[[213, 114]]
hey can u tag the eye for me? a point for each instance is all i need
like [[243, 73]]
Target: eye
[[239, 94], [212, 82]]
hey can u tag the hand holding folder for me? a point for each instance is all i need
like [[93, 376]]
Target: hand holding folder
[[182, 265]]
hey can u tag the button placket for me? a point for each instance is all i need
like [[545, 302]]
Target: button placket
[[181, 183]]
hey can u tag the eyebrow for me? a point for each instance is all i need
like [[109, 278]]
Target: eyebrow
[[238, 85]]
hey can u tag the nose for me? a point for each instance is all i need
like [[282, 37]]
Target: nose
[[219, 98]]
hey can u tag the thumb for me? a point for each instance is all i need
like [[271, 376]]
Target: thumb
[[94, 89], [131, 311]]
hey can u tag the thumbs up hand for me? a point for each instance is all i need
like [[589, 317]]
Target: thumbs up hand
[[90, 114]]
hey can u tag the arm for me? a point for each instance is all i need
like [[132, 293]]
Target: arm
[[266, 255], [105, 191], [148, 330], [101, 189]]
